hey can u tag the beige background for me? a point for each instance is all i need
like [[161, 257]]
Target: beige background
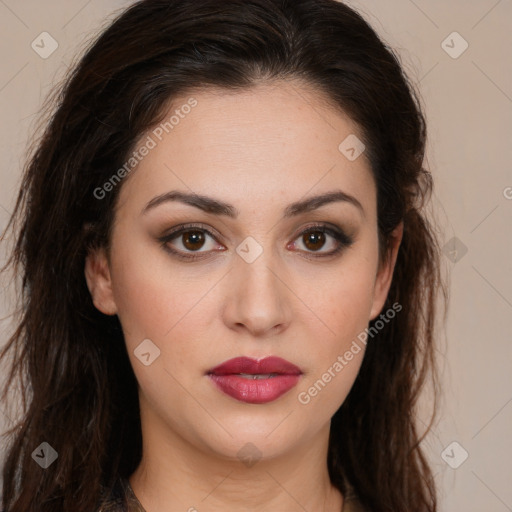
[[468, 102]]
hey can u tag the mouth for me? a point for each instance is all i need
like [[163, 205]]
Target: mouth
[[255, 381]]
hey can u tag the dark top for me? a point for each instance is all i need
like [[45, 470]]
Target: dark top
[[123, 499]]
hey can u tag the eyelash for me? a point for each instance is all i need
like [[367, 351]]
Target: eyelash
[[343, 240]]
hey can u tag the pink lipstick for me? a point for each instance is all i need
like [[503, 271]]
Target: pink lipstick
[[255, 381]]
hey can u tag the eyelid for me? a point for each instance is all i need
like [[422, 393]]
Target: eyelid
[[191, 226]]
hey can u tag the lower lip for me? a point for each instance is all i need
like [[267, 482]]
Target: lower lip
[[255, 391]]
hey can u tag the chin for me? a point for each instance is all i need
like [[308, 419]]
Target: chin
[[255, 439]]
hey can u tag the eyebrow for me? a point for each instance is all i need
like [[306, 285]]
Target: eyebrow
[[216, 207]]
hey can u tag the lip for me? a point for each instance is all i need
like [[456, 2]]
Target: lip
[[226, 377]]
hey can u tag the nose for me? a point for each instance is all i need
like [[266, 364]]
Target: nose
[[258, 300]]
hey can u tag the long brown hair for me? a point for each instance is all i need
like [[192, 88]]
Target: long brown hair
[[79, 392]]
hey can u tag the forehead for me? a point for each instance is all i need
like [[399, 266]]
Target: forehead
[[272, 140]]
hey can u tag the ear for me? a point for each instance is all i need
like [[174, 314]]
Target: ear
[[385, 272], [97, 275]]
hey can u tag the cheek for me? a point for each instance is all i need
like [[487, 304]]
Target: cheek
[[149, 303], [344, 314], [342, 301], [343, 298], [156, 301], [337, 353]]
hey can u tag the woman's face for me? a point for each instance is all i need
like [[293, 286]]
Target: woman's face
[[257, 286]]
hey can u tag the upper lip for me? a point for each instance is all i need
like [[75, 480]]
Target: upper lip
[[252, 366]]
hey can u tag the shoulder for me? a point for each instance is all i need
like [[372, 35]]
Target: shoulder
[[114, 499]]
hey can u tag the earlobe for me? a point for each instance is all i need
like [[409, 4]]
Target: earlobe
[[97, 276], [385, 273]]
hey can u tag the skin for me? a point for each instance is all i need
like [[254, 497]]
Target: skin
[[259, 150]]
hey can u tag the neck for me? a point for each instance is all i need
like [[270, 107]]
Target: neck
[[176, 475]]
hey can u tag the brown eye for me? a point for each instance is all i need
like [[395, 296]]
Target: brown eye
[[189, 242], [314, 240], [322, 236], [193, 240]]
